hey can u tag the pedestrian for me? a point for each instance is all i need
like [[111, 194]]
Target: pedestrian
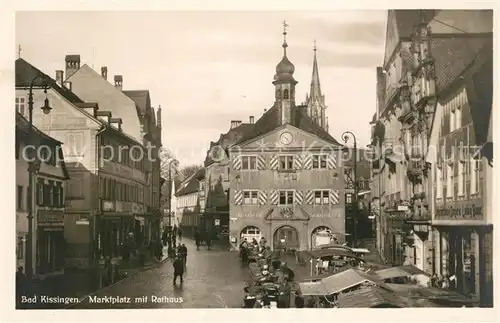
[[284, 295], [159, 250], [197, 238], [184, 253], [179, 233], [178, 269], [208, 240]]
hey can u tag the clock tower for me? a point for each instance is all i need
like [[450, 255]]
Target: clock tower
[[284, 85]]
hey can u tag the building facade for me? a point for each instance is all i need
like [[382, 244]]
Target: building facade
[[106, 194], [462, 216], [419, 67], [285, 178], [217, 168], [48, 243], [138, 123], [190, 202]]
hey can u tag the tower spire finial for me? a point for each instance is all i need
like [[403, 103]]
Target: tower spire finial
[[285, 45], [315, 45], [19, 51]]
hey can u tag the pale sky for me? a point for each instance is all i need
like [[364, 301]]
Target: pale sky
[[208, 68]]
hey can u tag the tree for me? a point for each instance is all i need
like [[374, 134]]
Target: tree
[[188, 170], [166, 156]]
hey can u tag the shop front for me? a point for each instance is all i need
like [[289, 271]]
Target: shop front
[[50, 242], [465, 250], [216, 221], [113, 226]]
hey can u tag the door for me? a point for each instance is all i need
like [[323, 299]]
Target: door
[[286, 237]]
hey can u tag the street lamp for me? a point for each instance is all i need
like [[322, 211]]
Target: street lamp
[[170, 181], [33, 167], [346, 135]]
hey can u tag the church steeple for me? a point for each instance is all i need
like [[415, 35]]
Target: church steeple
[[315, 92], [316, 107], [284, 84]]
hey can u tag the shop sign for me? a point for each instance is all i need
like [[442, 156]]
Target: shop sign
[[50, 216], [108, 206], [402, 207], [470, 212], [421, 228]]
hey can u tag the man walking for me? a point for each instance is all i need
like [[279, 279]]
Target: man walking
[[178, 269]]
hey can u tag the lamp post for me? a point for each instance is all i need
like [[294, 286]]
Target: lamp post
[[33, 167], [170, 181], [346, 135]]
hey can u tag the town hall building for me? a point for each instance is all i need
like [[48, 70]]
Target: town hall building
[[286, 182]]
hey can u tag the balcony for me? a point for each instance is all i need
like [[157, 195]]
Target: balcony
[[416, 170]]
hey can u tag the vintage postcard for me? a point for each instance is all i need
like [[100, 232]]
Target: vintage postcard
[[254, 159]]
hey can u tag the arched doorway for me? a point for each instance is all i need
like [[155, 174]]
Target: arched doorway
[[322, 235], [286, 237], [250, 233]]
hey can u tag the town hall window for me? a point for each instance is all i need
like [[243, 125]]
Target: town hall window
[[250, 197], [249, 162], [286, 162], [321, 197], [319, 162], [286, 197]]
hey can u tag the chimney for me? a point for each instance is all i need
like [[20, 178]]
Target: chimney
[[116, 122], [251, 120], [67, 84], [158, 117], [72, 65], [59, 77], [235, 123], [119, 82], [104, 72]]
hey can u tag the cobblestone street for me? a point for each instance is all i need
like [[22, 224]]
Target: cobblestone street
[[214, 279]]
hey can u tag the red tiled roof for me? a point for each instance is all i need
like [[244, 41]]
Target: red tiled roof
[[227, 139], [140, 97], [453, 54], [270, 121], [193, 184], [25, 73]]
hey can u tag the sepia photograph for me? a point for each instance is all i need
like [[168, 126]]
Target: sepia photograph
[[253, 159]]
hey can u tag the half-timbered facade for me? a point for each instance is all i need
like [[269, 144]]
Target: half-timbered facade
[[286, 178]]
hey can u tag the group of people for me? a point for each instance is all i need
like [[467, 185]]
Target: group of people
[[248, 249], [443, 282]]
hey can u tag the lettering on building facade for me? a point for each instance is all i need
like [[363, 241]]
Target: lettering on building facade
[[470, 212]]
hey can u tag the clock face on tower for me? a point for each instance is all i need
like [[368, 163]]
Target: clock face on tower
[[286, 138]]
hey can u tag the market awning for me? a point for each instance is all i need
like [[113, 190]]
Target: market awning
[[347, 279], [360, 250], [320, 253], [334, 246], [312, 289], [371, 296], [400, 271]]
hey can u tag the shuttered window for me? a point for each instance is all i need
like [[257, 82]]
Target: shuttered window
[[319, 161]]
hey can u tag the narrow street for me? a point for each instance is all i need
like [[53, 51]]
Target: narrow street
[[214, 279]]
